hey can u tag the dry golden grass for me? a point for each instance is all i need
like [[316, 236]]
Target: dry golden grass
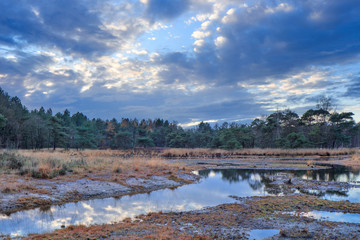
[[117, 164], [9, 184], [354, 162], [142, 162], [125, 230], [297, 152], [201, 152], [193, 152], [95, 155], [356, 157]]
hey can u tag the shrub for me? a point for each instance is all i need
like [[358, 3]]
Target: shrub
[[118, 170], [11, 161], [42, 171]]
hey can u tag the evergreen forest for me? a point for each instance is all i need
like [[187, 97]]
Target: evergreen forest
[[39, 128]]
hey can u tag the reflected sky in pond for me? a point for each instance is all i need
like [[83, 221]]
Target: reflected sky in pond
[[257, 178], [332, 216], [352, 195], [213, 189], [210, 191], [258, 234]]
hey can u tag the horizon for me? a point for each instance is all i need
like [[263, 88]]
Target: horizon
[[186, 61], [194, 125]]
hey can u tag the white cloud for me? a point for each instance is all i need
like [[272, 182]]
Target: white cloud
[[199, 42], [86, 88], [200, 34], [139, 52], [230, 17], [205, 25], [195, 122], [220, 41], [202, 17], [11, 58], [282, 7]]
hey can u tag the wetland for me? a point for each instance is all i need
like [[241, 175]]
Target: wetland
[[192, 199]]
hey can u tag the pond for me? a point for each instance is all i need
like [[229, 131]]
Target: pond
[[262, 233], [214, 188], [337, 174], [331, 216]]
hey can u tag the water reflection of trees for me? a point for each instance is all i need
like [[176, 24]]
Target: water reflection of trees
[[337, 193], [254, 178], [258, 178], [336, 173]]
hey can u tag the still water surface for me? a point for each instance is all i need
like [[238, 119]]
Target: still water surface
[[213, 189]]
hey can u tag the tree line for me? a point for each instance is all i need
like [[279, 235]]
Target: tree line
[[39, 128]]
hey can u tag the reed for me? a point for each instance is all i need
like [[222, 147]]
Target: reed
[[49, 164], [356, 157], [220, 153]]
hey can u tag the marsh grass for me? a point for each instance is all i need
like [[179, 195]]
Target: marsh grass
[[356, 157], [36, 164], [50, 164], [11, 161], [221, 153], [143, 162]]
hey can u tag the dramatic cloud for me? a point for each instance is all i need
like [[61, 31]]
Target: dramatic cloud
[[186, 60], [166, 9], [67, 25], [354, 88], [271, 41]]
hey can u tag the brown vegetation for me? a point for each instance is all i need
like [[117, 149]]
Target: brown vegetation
[[220, 153], [51, 164], [127, 229], [356, 157], [121, 164]]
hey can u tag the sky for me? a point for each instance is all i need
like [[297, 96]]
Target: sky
[[182, 60]]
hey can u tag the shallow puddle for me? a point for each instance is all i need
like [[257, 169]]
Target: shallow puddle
[[213, 189], [259, 234], [352, 195], [332, 216]]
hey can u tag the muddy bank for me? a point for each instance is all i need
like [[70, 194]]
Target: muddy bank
[[39, 193], [255, 163]]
